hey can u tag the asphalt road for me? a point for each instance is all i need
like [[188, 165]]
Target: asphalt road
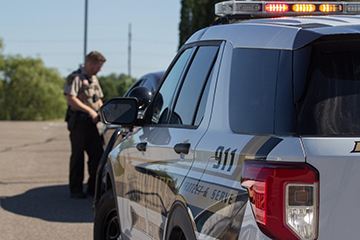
[[34, 196]]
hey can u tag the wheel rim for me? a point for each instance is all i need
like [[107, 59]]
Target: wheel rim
[[111, 227]]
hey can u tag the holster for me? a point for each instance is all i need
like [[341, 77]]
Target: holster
[[71, 118]]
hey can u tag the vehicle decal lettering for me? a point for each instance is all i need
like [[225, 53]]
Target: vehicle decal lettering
[[356, 147], [222, 159], [218, 155], [194, 188], [209, 191], [229, 161], [222, 196]]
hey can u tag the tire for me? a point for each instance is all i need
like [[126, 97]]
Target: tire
[[179, 226], [107, 222]]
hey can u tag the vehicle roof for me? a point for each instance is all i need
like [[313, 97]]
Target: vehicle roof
[[154, 76], [280, 33]]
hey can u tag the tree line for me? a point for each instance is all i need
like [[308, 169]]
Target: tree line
[[31, 91]]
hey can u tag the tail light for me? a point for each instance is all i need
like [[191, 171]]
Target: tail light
[[283, 197]]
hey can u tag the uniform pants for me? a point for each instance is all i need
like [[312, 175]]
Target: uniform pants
[[84, 138]]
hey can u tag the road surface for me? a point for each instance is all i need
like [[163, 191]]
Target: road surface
[[34, 196]]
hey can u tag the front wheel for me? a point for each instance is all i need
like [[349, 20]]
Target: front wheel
[[107, 222]]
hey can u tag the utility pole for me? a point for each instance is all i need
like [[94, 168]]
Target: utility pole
[[85, 29], [129, 51]]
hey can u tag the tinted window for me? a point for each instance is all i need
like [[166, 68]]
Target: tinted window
[[165, 94], [330, 103], [285, 116], [252, 90], [192, 90], [151, 83]]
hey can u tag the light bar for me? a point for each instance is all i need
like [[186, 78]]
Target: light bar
[[303, 8], [262, 8], [278, 7]]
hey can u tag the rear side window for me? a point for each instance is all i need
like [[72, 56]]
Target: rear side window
[[252, 90], [330, 102]]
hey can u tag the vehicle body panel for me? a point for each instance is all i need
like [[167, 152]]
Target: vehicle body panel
[[339, 168], [150, 177]]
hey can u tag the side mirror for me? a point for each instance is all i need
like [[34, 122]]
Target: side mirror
[[121, 111]]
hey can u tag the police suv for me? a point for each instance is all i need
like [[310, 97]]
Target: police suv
[[254, 132]]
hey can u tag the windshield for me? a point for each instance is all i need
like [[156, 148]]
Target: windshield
[[330, 101]]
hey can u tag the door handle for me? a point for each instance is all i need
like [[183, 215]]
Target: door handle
[[182, 148], [141, 146]]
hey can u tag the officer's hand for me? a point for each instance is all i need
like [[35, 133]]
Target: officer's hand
[[94, 116], [97, 119]]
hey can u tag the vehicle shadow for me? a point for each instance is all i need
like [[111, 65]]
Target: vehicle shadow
[[51, 203]]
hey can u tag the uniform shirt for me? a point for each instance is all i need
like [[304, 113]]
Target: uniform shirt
[[86, 89]]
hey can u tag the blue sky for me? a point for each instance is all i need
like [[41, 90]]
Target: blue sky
[[53, 30]]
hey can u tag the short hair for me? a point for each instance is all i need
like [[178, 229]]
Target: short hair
[[94, 56]]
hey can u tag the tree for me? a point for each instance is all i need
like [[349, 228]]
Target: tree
[[185, 20], [29, 90], [115, 86], [195, 15]]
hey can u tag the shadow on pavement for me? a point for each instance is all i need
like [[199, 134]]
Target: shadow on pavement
[[51, 203]]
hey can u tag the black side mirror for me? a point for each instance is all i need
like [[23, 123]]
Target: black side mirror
[[122, 111]]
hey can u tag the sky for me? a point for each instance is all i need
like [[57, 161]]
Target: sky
[[53, 30]]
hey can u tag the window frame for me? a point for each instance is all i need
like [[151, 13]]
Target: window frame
[[195, 46], [200, 96]]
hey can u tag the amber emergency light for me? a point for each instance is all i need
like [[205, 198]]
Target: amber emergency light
[[263, 8]]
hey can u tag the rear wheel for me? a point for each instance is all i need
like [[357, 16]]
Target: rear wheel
[[179, 225], [107, 222]]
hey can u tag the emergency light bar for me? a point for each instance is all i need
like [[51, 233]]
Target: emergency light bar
[[284, 8]]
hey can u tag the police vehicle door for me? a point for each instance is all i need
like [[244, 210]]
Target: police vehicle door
[[165, 145]]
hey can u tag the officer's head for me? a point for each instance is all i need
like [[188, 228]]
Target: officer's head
[[94, 62]]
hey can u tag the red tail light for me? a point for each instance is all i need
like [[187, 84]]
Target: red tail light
[[284, 198]]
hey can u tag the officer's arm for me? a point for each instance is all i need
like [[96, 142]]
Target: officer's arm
[[100, 102], [78, 105]]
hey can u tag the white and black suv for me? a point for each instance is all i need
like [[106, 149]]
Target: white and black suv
[[254, 133]]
